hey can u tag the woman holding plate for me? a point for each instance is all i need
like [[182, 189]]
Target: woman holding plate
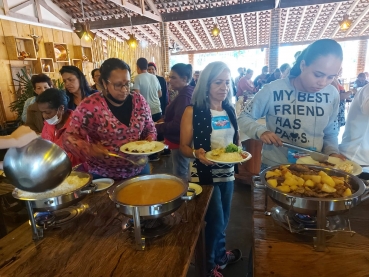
[[211, 102], [105, 121]]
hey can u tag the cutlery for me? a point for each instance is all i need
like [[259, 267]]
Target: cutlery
[[316, 156]]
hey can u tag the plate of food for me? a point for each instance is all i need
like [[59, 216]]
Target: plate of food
[[142, 147], [103, 183], [333, 162], [232, 154], [196, 187]]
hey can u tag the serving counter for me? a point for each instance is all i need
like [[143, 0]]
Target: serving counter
[[95, 245], [279, 253]]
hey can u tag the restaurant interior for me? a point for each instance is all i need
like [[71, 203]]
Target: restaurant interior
[[95, 234]]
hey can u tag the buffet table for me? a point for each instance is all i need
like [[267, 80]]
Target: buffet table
[[95, 245], [277, 252]]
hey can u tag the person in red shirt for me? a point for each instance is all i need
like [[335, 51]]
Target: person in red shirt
[[53, 104]]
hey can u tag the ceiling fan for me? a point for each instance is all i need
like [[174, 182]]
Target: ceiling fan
[[175, 48]]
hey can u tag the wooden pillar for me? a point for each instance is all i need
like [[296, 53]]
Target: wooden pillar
[[361, 56], [191, 59], [165, 52], [274, 39]]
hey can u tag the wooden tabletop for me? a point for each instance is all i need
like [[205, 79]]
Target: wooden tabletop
[[94, 245], [279, 253]]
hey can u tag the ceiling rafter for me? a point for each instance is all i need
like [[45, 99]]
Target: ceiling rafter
[[314, 21], [194, 33], [300, 22], [122, 33], [244, 29], [21, 5], [99, 33], [257, 27], [357, 21], [147, 34], [180, 30], [336, 8], [222, 39], [175, 38], [112, 35], [353, 6], [285, 24], [203, 25], [136, 9], [153, 7], [364, 29], [54, 13], [232, 30]]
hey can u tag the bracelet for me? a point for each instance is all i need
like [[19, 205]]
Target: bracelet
[[194, 154]]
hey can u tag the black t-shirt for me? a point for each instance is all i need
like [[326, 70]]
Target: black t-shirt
[[122, 113]]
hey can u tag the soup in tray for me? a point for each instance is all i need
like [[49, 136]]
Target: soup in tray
[[150, 192]]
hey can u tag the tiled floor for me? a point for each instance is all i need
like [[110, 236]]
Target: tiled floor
[[239, 228]]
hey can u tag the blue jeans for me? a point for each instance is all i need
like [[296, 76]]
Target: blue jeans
[[217, 219], [144, 171], [180, 164]]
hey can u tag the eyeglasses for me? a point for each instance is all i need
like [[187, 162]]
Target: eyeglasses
[[120, 86]]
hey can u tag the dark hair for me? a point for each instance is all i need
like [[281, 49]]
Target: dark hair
[[322, 47], [112, 64], [277, 70], [197, 72], [54, 97], [284, 67], [361, 75], [248, 71], [85, 88], [151, 64], [142, 63], [93, 71], [183, 70], [41, 78]]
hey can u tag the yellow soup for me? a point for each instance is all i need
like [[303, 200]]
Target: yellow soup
[[149, 192]]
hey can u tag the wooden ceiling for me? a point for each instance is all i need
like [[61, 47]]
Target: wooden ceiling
[[243, 23]]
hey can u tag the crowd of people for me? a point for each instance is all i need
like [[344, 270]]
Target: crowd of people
[[303, 105]]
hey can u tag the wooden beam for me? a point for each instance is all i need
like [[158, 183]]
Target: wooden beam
[[301, 3], [38, 10], [352, 7], [277, 3], [222, 38], [357, 21], [314, 21], [6, 7], [121, 22], [112, 35], [333, 14], [184, 35], [22, 16], [194, 33], [147, 34], [175, 38], [285, 24], [203, 25], [54, 13], [21, 6], [244, 28], [123, 34], [232, 30], [98, 33], [220, 11], [153, 7], [134, 8], [300, 23]]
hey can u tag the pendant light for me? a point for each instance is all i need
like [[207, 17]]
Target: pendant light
[[132, 41], [345, 23], [216, 30], [83, 29]]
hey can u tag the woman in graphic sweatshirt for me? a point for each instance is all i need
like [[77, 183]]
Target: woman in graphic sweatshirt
[[301, 110]]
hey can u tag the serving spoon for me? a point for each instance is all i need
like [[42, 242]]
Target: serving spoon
[[140, 161]]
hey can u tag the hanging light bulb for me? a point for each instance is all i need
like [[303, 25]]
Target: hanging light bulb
[[345, 23], [215, 31], [132, 41]]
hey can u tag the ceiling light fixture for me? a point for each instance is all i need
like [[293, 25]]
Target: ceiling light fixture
[[216, 30], [83, 29], [345, 23], [132, 41]]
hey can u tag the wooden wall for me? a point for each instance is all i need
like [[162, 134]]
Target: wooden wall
[[10, 28]]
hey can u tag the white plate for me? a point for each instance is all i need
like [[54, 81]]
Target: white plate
[[103, 183], [308, 160], [208, 156], [159, 146], [196, 187]]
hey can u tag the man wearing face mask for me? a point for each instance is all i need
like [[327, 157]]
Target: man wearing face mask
[[53, 104]]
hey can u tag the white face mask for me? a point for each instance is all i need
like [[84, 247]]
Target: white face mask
[[54, 120]]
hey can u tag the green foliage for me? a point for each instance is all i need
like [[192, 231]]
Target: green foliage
[[232, 148], [58, 84], [23, 92]]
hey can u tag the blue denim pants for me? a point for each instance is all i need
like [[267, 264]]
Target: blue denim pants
[[217, 219], [180, 164]]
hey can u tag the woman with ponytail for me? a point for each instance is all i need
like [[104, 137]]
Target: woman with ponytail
[[301, 109], [179, 78]]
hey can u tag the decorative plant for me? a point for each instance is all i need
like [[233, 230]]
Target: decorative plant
[[58, 84], [23, 92]]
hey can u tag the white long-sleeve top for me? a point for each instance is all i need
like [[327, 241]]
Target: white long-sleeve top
[[355, 140]]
